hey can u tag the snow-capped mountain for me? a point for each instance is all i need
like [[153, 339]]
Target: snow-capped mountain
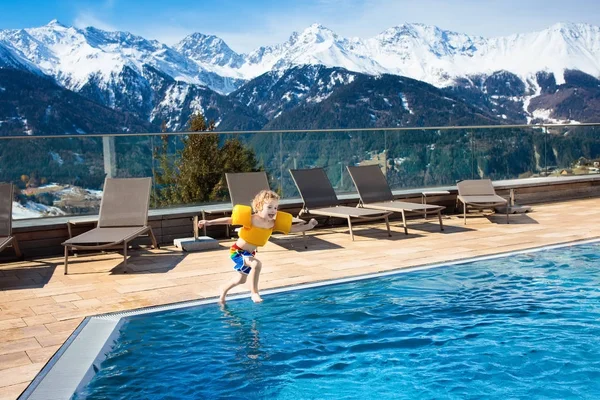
[[152, 80], [76, 56], [210, 52], [117, 69], [422, 52], [427, 53], [276, 92]]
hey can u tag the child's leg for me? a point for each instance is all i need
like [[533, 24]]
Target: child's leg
[[237, 280], [256, 266]]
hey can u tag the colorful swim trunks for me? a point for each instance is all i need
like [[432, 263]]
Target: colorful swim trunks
[[238, 255]]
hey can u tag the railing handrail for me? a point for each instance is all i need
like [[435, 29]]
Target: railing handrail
[[391, 129]]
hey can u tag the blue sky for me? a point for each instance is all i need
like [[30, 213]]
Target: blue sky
[[247, 24]]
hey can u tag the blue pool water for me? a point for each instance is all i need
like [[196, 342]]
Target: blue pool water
[[524, 326]]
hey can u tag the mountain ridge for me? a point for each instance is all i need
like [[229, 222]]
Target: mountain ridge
[[158, 83]]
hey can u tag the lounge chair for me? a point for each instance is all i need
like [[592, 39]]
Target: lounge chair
[[243, 186], [320, 199], [479, 194], [123, 217], [375, 193], [6, 237]]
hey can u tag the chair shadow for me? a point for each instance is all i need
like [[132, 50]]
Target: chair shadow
[[514, 219], [312, 241], [378, 233], [139, 261], [151, 263], [431, 227], [27, 277]]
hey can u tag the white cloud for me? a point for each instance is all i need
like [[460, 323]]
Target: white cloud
[[85, 19]]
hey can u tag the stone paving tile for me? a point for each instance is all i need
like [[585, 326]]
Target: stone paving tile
[[88, 303], [12, 323], [25, 373], [13, 360], [14, 346], [70, 314], [144, 286], [63, 326], [66, 297], [43, 354], [66, 290], [23, 304], [39, 319], [22, 333], [13, 391], [53, 308], [13, 295], [54, 339]]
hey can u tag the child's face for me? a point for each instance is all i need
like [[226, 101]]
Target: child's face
[[269, 210]]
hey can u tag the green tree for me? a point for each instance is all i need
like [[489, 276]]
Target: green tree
[[197, 173]]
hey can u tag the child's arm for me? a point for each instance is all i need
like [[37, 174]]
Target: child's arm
[[218, 221], [304, 227]]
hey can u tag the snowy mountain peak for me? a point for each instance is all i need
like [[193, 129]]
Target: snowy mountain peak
[[209, 49], [316, 33], [56, 24]]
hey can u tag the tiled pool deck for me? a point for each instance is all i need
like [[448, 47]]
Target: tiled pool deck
[[40, 306]]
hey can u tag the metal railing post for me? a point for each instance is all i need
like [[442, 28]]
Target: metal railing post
[[110, 156], [545, 149]]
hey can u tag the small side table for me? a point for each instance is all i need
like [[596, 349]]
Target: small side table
[[431, 193], [73, 223]]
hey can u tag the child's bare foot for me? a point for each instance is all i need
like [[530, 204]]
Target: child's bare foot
[[256, 298], [222, 297]]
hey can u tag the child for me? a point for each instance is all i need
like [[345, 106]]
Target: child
[[256, 230]]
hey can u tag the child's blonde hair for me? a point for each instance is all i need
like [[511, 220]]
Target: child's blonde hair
[[262, 197]]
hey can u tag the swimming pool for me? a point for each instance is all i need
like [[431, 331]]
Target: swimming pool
[[526, 325]]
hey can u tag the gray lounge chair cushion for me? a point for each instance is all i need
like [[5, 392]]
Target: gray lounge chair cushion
[[107, 235], [371, 184], [125, 202], [375, 192], [479, 192], [243, 186], [314, 187]]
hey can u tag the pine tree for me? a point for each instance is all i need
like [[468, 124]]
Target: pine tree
[[199, 169], [198, 174]]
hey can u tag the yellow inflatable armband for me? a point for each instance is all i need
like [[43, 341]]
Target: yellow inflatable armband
[[241, 215], [283, 222]]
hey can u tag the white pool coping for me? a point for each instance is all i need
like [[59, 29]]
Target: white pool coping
[[78, 359]]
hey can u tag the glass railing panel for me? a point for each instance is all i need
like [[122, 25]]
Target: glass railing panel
[[428, 158], [64, 175], [260, 151], [507, 153], [332, 151], [572, 150], [53, 177]]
